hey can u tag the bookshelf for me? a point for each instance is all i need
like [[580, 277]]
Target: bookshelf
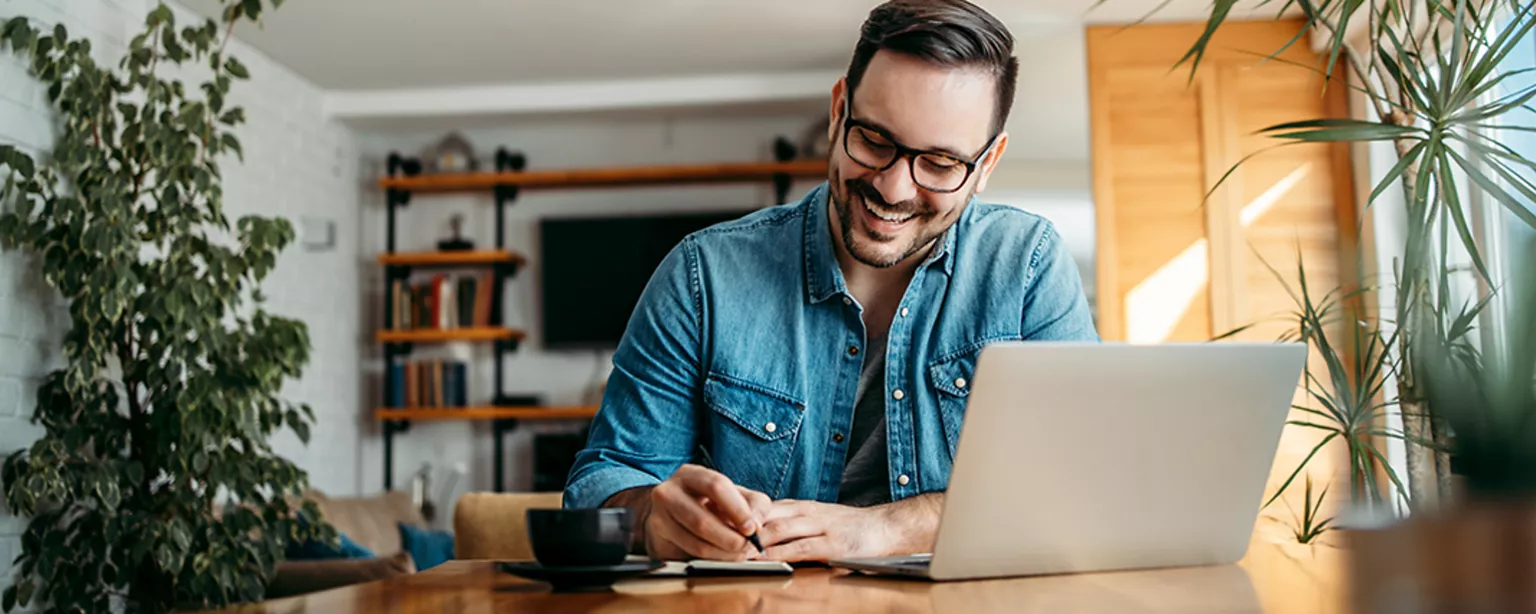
[[466, 306], [487, 413], [444, 335]]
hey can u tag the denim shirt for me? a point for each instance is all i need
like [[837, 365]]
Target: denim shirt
[[747, 341]]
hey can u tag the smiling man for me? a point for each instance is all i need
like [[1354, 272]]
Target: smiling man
[[822, 351]]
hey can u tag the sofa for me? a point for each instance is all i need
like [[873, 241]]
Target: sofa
[[371, 522]]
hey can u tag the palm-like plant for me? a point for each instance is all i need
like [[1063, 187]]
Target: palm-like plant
[[1344, 400], [1490, 404], [1430, 72]]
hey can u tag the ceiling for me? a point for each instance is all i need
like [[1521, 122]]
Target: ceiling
[[396, 44]]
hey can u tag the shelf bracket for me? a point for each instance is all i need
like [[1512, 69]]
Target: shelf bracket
[[390, 428], [506, 161], [499, 429], [783, 151]]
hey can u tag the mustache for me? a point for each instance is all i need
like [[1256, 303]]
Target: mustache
[[867, 191]]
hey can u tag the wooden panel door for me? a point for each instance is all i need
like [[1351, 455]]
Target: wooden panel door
[[1174, 268]]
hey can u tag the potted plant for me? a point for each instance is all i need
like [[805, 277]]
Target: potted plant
[[1479, 553], [154, 485]]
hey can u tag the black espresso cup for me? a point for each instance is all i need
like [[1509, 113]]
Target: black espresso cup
[[580, 537]]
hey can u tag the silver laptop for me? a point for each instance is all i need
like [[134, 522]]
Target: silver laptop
[[1095, 457]]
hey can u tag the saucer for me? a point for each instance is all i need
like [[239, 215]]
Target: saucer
[[583, 578]]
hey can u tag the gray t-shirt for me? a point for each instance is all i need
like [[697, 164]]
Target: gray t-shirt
[[866, 478]]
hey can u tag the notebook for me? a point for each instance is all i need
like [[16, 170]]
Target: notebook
[[697, 568]]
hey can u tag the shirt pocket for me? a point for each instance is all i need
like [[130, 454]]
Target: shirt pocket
[[951, 380], [755, 432]]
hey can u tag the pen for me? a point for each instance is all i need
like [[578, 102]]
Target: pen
[[709, 463]]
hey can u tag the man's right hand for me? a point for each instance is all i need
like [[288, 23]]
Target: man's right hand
[[700, 513]]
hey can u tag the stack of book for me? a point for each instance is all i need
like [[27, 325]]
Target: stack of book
[[428, 383], [443, 301]]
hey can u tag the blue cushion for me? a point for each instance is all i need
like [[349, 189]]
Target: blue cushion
[[428, 548], [314, 550]]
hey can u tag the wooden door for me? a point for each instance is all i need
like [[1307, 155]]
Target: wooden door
[[1174, 268]]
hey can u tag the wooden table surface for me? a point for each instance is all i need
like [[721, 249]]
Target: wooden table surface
[[1274, 577]]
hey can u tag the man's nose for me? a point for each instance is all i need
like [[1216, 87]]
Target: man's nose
[[895, 183]]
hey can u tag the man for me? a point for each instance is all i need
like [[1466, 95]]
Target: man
[[822, 350]]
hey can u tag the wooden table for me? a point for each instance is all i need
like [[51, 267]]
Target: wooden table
[[1275, 577]]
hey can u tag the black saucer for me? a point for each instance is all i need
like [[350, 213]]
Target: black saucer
[[585, 578]]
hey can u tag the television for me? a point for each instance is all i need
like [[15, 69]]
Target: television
[[595, 269]]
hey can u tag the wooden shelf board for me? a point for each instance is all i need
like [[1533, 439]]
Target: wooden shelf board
[[383, 414], [477, 333], [489, 256], [608, 177]]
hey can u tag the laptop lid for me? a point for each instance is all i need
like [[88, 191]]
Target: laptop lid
[[1089, 457]]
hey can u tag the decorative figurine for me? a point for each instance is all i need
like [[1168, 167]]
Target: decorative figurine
[[456, 243]]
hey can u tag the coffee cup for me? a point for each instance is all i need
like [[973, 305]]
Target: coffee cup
[[580, 537]]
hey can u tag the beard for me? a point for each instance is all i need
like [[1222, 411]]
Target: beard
[[865, 243]]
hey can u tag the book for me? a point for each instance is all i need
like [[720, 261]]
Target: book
[[396, 386], [464, 303]]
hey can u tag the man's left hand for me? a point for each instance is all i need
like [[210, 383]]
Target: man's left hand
[[812, 531]]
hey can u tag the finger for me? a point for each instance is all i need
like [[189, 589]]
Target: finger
[[759, 502], [692, 515], [727, 497], [669, 530], [790, 529], [809, 549]]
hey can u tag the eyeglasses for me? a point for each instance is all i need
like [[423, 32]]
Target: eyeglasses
[[875, 150]]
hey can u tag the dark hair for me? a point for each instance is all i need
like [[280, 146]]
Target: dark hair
[[952, 33]]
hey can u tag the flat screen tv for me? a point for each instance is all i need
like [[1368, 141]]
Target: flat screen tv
[[596, 267]]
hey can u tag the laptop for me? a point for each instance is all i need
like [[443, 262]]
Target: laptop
[[1084, 457]]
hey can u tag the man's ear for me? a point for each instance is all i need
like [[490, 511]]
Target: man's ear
[[839, 90], [989, 161]]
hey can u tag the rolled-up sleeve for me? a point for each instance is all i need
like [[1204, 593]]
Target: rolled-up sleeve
[[646, 427], [1055, 307]]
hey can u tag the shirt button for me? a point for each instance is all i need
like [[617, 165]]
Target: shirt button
[[898, 395], [770, 427], [903, 479], [837, 438], [959, 382], [903, 312], [847, 301], [853, 350]]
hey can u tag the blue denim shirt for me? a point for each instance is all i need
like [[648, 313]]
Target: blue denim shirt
[[743, 338]]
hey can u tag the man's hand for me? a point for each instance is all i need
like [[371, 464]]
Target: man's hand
[[812, 531], [700, 513]]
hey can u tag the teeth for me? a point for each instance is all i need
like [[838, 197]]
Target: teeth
[[894, 219]]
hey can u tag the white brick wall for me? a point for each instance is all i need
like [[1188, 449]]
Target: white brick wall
[[297, 165]]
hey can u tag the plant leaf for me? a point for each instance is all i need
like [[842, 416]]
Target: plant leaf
[[1451, 198], [1397, 171], [1219, 10], [1299, 467]]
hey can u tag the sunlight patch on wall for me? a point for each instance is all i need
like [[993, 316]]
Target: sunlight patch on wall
[[1156, 305]]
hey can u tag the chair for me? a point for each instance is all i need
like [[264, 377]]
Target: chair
[[494, 526]]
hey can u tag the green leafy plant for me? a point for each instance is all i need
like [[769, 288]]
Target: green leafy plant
[[154, 485], [1429, 71]]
